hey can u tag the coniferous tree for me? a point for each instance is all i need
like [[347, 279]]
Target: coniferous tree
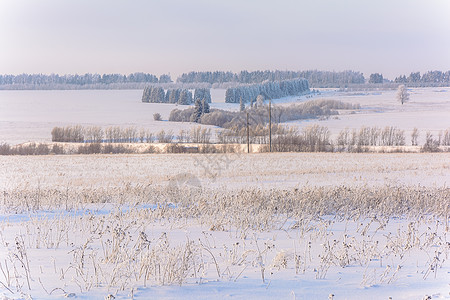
[[167, 96], [201, 94], [174, 96], [198, 111], [185, 97], [158, 95], [146, 94], [207, 95], [165, 78], [400, 79], [198, 94], [376, 78], [152, 96], [189, 97], [205, 106], [414, 77]]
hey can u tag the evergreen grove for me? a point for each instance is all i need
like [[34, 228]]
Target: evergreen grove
[[273, 90], [179, 96]]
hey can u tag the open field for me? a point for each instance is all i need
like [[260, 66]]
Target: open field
[[427, 110], [214, 226], [232, 170], [29, 116], [232, 225]]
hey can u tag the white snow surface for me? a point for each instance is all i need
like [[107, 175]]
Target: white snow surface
[[405, 275], [228, 171], [296, 260], [29, 116], [428, 110]]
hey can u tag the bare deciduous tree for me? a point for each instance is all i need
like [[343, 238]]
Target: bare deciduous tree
[[402, 94], [446, 140], [414, 136]]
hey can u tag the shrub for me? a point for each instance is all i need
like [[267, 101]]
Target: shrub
[[56, 149], [42, 149], [116, 149], [431, 145], [157, 116], [151, 149], [93, 148], [181, 115], [5, 149]]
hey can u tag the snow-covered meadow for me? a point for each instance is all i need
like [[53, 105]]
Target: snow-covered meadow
[[29, 116], [214, 226], [428, 110]]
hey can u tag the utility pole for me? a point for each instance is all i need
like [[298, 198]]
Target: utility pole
[[270, 119], [248, 136], [270, 125]]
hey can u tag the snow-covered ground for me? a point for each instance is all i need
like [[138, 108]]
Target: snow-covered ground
[[428, 110], [228, 171], [215, 226], [220, 226], [93, 256], [29, 116]]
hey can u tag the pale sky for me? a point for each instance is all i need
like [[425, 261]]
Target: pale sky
[[392, 37]]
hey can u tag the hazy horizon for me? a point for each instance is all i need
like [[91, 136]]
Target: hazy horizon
[[175, 36]]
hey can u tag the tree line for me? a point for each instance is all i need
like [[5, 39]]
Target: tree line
[[60, 81], [273, 90], [154, 94], [116, 134], [347, 140], [96, 134], [430, 78], [315, 78], [376, 78], [284, 139], [317, 138]]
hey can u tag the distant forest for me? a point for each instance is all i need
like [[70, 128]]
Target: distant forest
[[86, 81], [316, 78], [218, 79], [430, 78]]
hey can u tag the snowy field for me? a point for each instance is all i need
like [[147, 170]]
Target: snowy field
[[230, 171], [234, 226], [222, 226], [427, 110], [29, 116]]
